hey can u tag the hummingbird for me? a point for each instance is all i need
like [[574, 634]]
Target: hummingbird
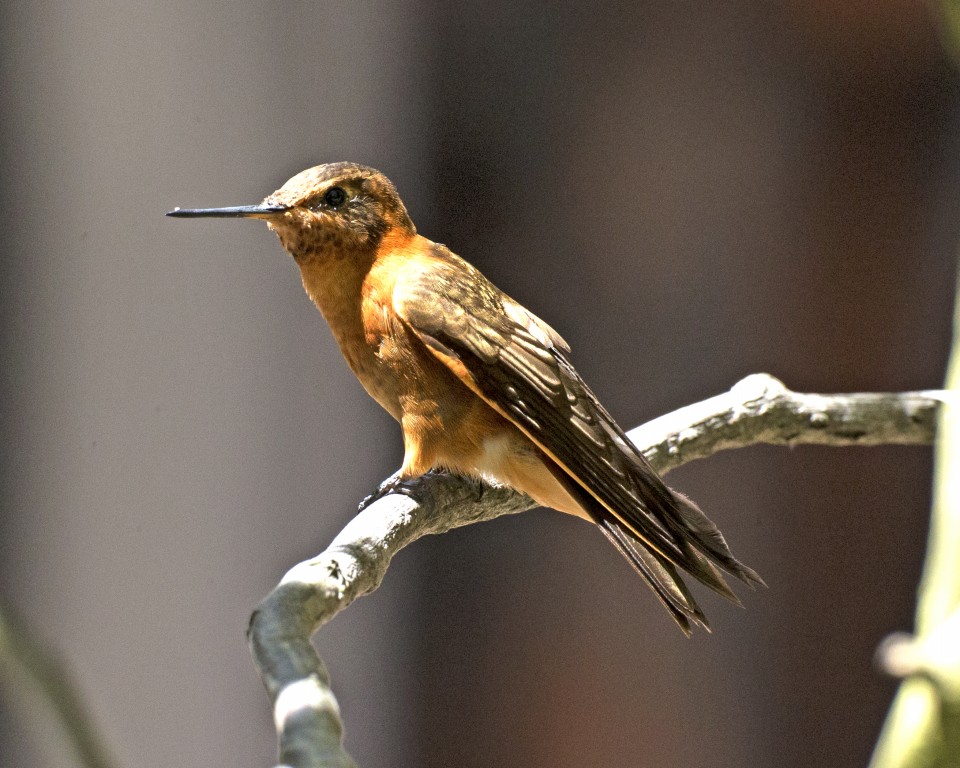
[[479, 384]]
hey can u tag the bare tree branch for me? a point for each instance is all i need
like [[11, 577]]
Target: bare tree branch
[[759, 409]]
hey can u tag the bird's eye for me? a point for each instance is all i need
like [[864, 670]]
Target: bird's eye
[[335, 197]]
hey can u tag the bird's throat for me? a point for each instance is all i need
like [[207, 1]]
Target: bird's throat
[[335, 286]]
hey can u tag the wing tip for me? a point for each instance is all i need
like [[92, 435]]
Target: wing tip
[[707, 538]]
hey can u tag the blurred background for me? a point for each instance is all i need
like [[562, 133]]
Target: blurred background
[[689, 193]]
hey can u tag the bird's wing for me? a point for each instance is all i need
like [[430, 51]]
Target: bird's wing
[[520, 366]]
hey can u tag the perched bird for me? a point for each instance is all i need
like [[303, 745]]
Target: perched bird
[[479, 384]]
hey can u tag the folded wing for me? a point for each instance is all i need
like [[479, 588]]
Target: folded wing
[[521, 367]]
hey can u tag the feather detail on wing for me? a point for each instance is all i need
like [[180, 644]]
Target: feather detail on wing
[[520, 366]]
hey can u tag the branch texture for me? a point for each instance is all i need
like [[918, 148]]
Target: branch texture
[[759, 409]]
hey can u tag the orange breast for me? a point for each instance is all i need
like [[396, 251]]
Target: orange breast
[[445, 424]]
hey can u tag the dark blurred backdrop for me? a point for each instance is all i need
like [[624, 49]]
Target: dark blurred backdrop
[[689, 192]]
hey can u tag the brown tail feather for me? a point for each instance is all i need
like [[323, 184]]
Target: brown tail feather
[[659, 574], [703, 549], [712, 543]]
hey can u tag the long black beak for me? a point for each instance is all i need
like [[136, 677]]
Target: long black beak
[[260, 211]]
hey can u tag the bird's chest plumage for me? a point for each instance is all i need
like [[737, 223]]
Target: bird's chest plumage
[[444, 423], [398, 370], [337, 285], [391, 366]]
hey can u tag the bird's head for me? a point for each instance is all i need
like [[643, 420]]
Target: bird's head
[[326, 211]]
